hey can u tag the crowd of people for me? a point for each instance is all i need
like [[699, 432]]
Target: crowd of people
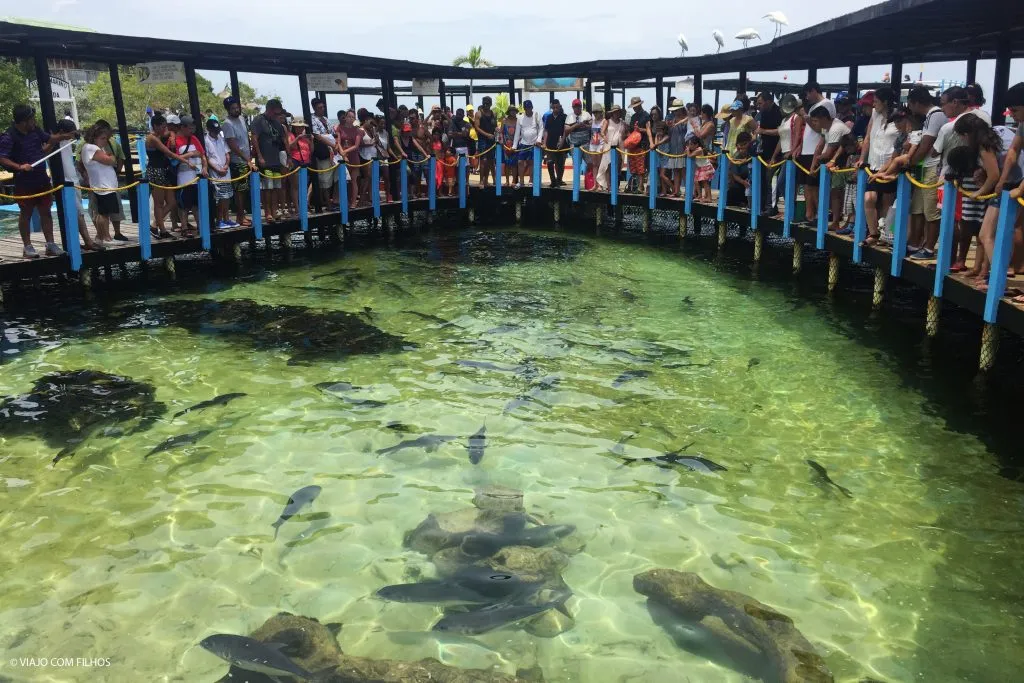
[[930, 138]]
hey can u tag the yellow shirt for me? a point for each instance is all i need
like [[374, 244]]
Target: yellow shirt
[[745, 123], [472, 130]]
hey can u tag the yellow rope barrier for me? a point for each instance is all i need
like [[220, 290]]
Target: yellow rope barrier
[[420, 161], [116, 189], [231, 180], [566, 149], [30, 196], [804, 169], [923, 186], [480, 154], [975, 197], [734, 162], [842, 171], [770, 165], [280, 176], [670, 156], [709, 156], [323, 170], [175, 187], [1020, 200]]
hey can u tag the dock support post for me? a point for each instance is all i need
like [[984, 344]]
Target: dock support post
[[472, 216], [682, 224], [758, 245], [878, 294], [833, 272], [721, 234], [236, 252], [558, 211], [989, 346], [646, 223], [798, 256], [932, 320], [597, 216], [85, 276], [519, 212], [169, 266], [268, 245]]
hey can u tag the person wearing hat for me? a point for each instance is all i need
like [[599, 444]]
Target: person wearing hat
[[789, 131], [506, 138], [769, 118], [236, 136], [554, 136], [188, 147], [299, 146], [639, 121], [739, 122], [325, 146], [485, 125], [528, 135], [577, 127], [269, 135], [613, 132], [218, 161], [862, 114], [596, 145], [679, 125]]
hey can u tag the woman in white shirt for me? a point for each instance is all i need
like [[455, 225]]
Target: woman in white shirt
[[791, 129], [875, 153], [614, 132], [99, 166]]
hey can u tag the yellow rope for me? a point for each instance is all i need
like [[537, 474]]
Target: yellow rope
[[30, 196], [1020, 200], [709, 156], [421, 161], [567, 149], [921, 185], [804, 169], [480, 154], [841, 171], [365, 163], [280, 175], [175, 187], [231, 180], [323, 170], [873, 176], [108, 189], [738, 163], [770, 165], [975, 196], [670, 156]]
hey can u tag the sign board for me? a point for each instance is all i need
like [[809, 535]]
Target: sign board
[[60, 88], [425, 86], [554, 84], [153, 73], [327, 82]]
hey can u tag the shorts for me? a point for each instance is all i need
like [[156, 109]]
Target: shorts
[[270, 179], [29, 205], [188, 197], [638, 164], [881, 188], [704, 173], [222, 191], [461, 150], [108, 205], [525, 152], [239, 170], [415, 171], [926, 201], [802, 178], [486, 148], [326, 179], [160, 175], [117, 215], [838, 180]]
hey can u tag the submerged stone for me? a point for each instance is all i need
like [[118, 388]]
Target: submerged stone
[[63, 408]]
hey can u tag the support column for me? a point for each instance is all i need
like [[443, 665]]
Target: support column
[[989, 346], [588, 96], [878, 293], [193, 95], [698, 90], [798, 256], [1001, 82], [511, 91], [743, 82], [833, 272], [758, 245], [932, 320], [972, 68], [235, 90], [122, 129], [853, 87], [609, 96], [812, 74], [352, 101], [307, 114], [896, 76], [50, 123], [659, 92]]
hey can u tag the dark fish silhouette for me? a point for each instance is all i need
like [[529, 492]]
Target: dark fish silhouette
[[335, 387], [221, 400], [365, 402], [340, 271], [502, 329], [695, 463], [430, 318], [252, 655], [474, 585], [630, 375], [620, 276], [823, 475], [428, 441], [493, 616], [398, 427], [684, 364], [752, 362], [688, 301], [487, 365], [628, 295], [485, 545], [179, 440], [301, 498], [398, 289], [516, 403], [476, 445]]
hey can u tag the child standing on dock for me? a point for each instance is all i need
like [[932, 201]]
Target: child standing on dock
[[739, 171], [218, 160]]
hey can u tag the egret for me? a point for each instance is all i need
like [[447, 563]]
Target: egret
[[747, 35], [719, 38], [779, 19], [683, 47]]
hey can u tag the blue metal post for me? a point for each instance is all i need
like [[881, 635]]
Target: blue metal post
[[462, 181], [536, 171], [432, 183], [499, 166], [343, 192], [723, 185], [789, 205], [145, 237], [688, 202], [613, 175], [824, 201], [255, 207], [35, 222], [756, 169], [946, 230], [71, 226], [577, 162], [860, 223], [403, 170], [652, 179], [140, 151], [204, 212], [303, 198], [375, 187], [1001, 256], [899, 229]]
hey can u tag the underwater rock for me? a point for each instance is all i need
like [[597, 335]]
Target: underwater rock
[[499, 498], [530, 564], [549, 624], [63, 408], [312, 646], [309, 334], [791, 657], [439, 531]]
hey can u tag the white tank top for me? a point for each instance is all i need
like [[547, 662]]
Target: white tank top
[[810, 140], [883, 137], [786, 135]]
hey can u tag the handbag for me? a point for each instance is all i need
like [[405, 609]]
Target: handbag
[[632, 140], [321, 151]]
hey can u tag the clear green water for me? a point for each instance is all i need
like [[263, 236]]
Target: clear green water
[[108, 554]]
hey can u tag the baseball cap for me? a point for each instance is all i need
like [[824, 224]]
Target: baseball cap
[[469, 107], [736, 106], [577, 103], [228, 101], [187, 120], [212, 125], [527, 104], [868, 98]]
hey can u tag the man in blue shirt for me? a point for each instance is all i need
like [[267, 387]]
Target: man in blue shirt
[[22, 146]]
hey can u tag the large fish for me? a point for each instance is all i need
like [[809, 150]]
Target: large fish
[[252, 655], [487, 365], [335, 387], [476, 445], [429, 317], [485, 545], [301, 498], [179, 440], [221, 400], [827, 480], [493, 616], [630, 375], [474, 585], [428, 441]]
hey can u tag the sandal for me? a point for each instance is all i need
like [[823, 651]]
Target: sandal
[[870, 241]]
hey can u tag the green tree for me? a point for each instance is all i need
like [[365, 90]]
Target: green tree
[[474, 60], [501, 105], [13, 90]]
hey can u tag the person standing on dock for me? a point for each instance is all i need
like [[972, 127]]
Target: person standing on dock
[[528, 136], [218, 160], [67, 158], [554, 132], [924, 206], [639, 122], [811, 146], [113, 148], [236, 136], [485, 124], [769, 120], [269, 135], [191, 150], [99, 165], [614, 132], [22, 148]]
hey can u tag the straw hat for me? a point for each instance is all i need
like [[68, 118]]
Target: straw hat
[[789, 103], [298, 123], [676, 104], [725, 112], [634, 101], [614, 108]]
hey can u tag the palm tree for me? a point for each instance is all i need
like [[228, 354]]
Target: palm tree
[[473, 60]]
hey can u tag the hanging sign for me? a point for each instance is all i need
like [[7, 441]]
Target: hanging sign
[[59, 88], [554, 84], [425, 86], [327, 82], [153, 73]]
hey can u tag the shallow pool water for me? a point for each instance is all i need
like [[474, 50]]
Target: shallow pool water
[[111, 553]]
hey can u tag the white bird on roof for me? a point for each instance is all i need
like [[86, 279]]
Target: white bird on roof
[[747, 35], [683, 46], [719, 38], [779, 19]]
